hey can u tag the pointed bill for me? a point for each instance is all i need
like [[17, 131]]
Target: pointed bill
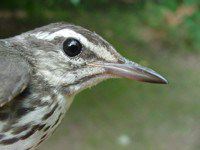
[[133, 71]]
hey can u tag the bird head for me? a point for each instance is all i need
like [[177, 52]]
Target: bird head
[[72, 58]]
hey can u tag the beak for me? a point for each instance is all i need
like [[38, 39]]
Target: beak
[[131, 70]]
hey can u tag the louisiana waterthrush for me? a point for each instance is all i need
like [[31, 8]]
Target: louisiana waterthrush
[[41, 71]]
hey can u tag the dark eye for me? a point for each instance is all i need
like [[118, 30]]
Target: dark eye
[[72, 47]]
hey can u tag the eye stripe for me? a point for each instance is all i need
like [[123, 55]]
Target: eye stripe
[[101, 49]]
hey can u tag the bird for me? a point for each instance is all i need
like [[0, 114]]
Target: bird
[[43, 69]]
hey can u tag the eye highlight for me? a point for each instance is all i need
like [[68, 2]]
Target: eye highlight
[[72, 47]]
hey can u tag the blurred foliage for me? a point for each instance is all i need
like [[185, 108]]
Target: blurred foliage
[[172, 23]]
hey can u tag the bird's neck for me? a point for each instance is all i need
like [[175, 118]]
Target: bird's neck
[[50, 95]]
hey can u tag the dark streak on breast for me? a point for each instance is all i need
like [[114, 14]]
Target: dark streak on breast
[[29, 148], [41, 127], [21, 129], [43, 137], [50, 113], [57, 120], [18, 130], [47, 128], [40, 142], [31, 132], [9, 141]]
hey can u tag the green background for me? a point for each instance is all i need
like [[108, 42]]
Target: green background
[[122, 114]]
